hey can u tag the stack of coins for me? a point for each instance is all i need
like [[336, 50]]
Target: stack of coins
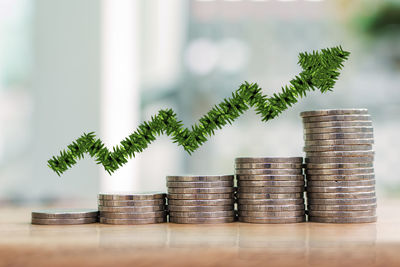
[[63, 216], [201, 199], [270, 190], [132, 208], [339, 166]]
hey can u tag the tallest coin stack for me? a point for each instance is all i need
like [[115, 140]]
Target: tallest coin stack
[[339, 166]]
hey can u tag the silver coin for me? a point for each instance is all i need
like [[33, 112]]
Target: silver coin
[[64, 213], [201, 220], [270, 202], [268, 165], [211, 202], [200, 196], [275, 190], [341, 201], [200, 184], [216, 190], [341, 183], [333, 136], [341, 154], [343, 207], [204, 178], [337, 148], [337, 118], [270, 183], [200, 214], [269, 171], [336, 142], [137, 215], [200, 208], [325, 124], [338, 130], [354, 177], [133, 209], [366, 219], [350, 189], [329, 112], [132, 196], [263, 208], [270, 160], [339, 171], [339, 165], [269, 196], [277, 220], [133, 221], [339, 159], [255, 177], [128, 203], [264, 214], [342, 195], [64, 221], [335, 213]]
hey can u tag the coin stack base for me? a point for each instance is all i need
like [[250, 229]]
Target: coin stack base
[[129, 208], [339, 166], [64, 216], [270, 190], [201, 199]]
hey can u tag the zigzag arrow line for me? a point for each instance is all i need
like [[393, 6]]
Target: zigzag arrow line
[[320, 70]]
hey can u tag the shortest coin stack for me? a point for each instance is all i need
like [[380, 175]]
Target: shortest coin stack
[[201, 199], [64, 216], [132, 208], [270, 190], [339, 166]]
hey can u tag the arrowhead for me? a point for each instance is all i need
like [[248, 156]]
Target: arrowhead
[[322, 68]]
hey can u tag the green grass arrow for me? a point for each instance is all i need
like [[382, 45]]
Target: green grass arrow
[[320, 70]]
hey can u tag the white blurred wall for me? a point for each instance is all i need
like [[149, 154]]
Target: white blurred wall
[[65, 90]]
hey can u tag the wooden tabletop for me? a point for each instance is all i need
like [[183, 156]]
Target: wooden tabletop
[[234, 244]]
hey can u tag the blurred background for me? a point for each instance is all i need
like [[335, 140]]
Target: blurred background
[[68, 67]]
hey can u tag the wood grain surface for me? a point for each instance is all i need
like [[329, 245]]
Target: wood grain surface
[[235, 244]]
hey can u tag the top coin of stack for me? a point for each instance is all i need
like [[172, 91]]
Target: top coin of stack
[[132, 208], [64, 216], [339, 166], [270, 190], [201, 199]]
